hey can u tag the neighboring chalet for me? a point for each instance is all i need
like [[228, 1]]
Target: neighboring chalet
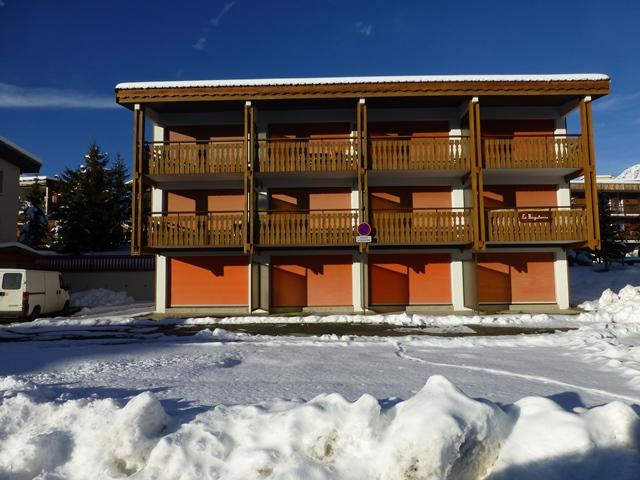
[[250, 192], [13, 161], [623, 198]]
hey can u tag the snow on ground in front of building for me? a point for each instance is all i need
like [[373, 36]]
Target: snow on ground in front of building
[[100, 297], [230, 405]]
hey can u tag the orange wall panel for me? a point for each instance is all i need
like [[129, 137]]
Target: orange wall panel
[[520, 196], [395, 198], [330, 200], [414, 129], [410, 279], [183, 201], [518, 127], [208, 281], [516, 277], [226, 201], [190, 133], [311, 281]]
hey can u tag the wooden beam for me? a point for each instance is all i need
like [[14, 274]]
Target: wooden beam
[[248, 182], [590, 184], [137, 188], [477, 184]]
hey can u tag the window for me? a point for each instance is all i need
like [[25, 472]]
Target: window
[[11, 281]]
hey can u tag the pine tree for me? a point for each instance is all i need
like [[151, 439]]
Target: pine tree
[[34, 231], [93, 204], [611, 248]]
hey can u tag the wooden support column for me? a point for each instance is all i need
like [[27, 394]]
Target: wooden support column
[[477, 184], [589, 172], [248, 183], [136, 184], [363, 194]]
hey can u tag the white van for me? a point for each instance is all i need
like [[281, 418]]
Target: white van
[[29, 293]]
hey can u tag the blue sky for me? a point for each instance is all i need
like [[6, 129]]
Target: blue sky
[[60, 60]]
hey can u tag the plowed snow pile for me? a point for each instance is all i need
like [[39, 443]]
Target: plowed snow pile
[[439, 433]]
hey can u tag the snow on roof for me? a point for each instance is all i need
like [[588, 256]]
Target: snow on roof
[[374, 79], [630, 173]]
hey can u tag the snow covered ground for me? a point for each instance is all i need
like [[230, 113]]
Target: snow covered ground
[[226, 405]]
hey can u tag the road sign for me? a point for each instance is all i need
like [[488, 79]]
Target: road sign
[[364, 230], [363, 239]]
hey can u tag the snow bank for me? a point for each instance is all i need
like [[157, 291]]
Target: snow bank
[[611, 307], [100, 297], [439, 433]]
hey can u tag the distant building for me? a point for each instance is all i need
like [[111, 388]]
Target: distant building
[[622, 193], [48, 185], [362, 193], [13, 161]]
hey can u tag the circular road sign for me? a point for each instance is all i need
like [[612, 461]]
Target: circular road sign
[[364, 229]]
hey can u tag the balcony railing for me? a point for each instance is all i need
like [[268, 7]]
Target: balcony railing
[[537, 225], [209, 229], [312, 228], [623, 209], [307, 155], [407, 153], [533, 152], [166, 158], [422, 226]]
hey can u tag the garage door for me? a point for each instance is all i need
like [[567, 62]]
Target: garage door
[[311, 281], [516, 278], [414, 279], [208, 281]]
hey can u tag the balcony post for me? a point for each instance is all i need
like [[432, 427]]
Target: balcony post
[[136, 184], [248, 186], [477, 186], [363, 180], [589, 171]]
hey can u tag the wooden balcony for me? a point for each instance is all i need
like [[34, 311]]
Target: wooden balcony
[[407, 153], [533, 152], [307, 155], [168, 158], [530, 225], [312, 228], [422, 227], [189, 230]]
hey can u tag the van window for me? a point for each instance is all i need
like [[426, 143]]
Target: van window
[[11, 281]]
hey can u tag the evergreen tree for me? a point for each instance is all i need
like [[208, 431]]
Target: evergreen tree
[[93, 205], [34, 231], [611, 248]]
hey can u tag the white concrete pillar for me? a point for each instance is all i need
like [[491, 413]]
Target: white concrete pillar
[[356, 284], [161, 284], [457, 283], [561, 272]]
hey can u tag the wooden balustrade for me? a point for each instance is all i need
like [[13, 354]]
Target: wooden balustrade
[[433, 153], [315, 228], [191, 230], [537, 225], [533, 152], [415, 227], [307, 155], [165, 158]]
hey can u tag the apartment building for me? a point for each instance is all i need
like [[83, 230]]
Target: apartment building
[[622, 196], [362, 194]]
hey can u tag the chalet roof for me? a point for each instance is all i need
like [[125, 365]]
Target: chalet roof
[[444, 90], [564, 77], [12, 153]]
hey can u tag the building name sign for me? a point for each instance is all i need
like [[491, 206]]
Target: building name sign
[[534, 217]]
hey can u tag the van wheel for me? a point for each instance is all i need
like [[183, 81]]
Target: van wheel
[[66, 310], [35, 313]]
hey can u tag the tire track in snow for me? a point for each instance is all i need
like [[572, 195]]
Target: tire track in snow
[[401, 352]]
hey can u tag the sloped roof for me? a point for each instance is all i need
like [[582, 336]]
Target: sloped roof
[[25, 161]]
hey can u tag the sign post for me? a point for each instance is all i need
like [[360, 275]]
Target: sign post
[[364, 233]]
